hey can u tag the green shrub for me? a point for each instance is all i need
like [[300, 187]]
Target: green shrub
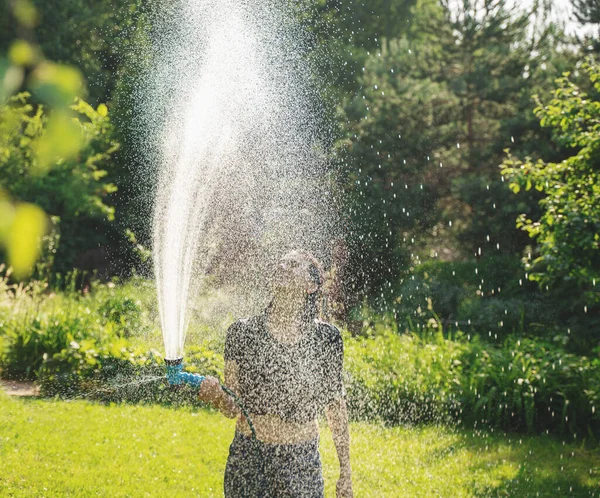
[[402, 378], [530, 384], [523, 384], [27, 342], [57, 161], [124, 313], [72, 345], [35, 324], [492, 296]]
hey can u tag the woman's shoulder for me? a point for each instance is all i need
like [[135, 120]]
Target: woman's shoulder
[[328, 332], [240, 336], [245, 325]]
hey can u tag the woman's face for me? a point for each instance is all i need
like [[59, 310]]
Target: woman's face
[[292, 275]]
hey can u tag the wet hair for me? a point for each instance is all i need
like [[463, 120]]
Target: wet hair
[[316, 273]]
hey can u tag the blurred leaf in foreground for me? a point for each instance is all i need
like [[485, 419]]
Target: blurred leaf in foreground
[[61, 140], [56, 84], [22, 53], [26, 13], [23, 238]]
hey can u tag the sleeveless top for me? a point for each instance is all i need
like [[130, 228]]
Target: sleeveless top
[[293, 381]]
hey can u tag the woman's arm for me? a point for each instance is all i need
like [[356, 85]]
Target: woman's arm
[[211, 392], [337, 416]]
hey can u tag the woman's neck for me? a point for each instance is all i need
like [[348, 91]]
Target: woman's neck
[[285, 316], [287, 310]]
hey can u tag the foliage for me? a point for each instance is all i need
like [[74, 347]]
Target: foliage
[[491, 296], [40, 338], [125, 313], [402, 379], [533, 385], [424, 132], [91, 37], [391, 186], [71, 184], [117, 371], [523, 384], [76, 346], [100, 44], [586, 11], [23, 224], [34, 326], [567, 232]]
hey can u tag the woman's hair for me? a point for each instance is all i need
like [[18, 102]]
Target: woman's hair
[[315, 270]]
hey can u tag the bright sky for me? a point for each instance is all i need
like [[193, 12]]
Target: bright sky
[[563, 12]]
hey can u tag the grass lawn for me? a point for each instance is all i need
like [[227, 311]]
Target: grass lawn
[[78, 448]]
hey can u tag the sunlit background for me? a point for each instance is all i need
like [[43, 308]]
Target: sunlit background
[[439, 157]]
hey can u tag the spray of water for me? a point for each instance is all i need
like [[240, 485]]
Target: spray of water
[[236, 137]]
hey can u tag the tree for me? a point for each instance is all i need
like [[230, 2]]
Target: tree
[[587, 12], [94, 37], [426, 129], [567, 232], [391, 180]]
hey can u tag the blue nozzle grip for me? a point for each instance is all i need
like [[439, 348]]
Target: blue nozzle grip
[[176, 376]]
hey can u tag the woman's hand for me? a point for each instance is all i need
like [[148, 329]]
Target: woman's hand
[[343, 488], [210, 391]]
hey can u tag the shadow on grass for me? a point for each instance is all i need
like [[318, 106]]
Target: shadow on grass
[[527, 484], [534, 467]]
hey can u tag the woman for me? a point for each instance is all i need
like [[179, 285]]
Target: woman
[[285, 366]]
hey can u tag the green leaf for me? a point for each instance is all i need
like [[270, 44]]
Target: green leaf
[[56, 84], [24, 237]]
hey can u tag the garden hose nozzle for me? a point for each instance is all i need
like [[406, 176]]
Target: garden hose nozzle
[[177, 377]]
